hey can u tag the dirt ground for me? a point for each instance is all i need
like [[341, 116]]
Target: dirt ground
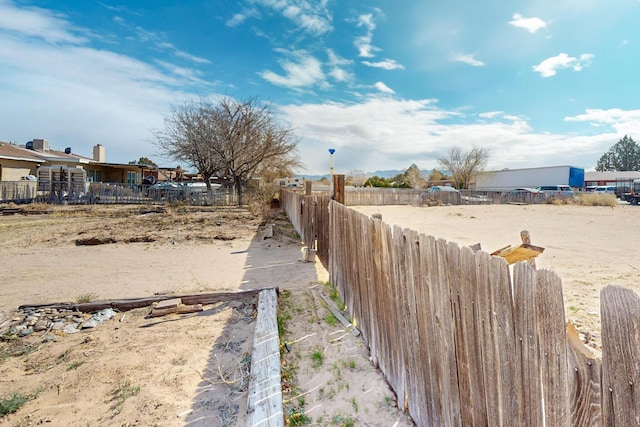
[[177, 370]]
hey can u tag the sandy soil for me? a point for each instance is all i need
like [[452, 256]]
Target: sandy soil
[[589, 247], [179, 369]]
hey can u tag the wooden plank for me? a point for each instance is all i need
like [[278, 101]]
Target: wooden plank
[[429, 353], [169, 303], [181, 309], [131, 303], [264, 404], [584, 382], [468, 344], [444, 360], [527, 345], [339, 315], [620, 311], [504, 340], [550, 322]]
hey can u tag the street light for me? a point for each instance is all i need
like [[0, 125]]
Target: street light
[[331, 151]]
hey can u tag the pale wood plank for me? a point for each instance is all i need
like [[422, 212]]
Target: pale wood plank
[[264, 404], [550, 322], [527, 344], [584, 377], [620, 311]]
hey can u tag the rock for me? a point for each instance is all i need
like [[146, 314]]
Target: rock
[[50, 338], [91, 323], [26, 331], [30, 319], [104, 315], [40, 325], [70, 329], [57, 325]]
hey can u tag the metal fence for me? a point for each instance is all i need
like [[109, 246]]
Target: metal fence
[[112, 193], [460, 342]]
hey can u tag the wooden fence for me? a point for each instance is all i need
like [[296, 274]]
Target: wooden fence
[[18, 191], [461, 343]]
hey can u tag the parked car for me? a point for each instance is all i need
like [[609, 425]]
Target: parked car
[[611, 189], [525, 191], [437, 188], [558, 191]]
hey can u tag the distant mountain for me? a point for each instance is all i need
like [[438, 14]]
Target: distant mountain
[[382, 174]]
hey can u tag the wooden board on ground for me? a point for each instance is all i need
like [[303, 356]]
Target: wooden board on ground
[[264, 405], [169, 303], [339, 316]]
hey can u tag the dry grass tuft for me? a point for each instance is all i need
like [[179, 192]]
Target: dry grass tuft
[[595, 199]]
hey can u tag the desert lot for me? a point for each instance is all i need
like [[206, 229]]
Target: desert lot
[[178, 370], [192, 369]]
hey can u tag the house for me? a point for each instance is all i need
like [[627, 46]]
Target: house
[[18, 161], [592, 179]]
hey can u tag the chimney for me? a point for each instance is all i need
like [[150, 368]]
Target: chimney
[[41, 145], [99, 154]]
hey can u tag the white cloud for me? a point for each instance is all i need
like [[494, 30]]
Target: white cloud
[[383, 87], [311, 16], [236, 20], [550, 66], [303, 71], [623, 122], [469, 59], [381, 132], [337, 64], [530, 24], [190, 57], [387, 64], [36, 22], [490, 114], [363, 43]]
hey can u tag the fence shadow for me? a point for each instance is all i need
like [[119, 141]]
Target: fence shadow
[[271, 262]]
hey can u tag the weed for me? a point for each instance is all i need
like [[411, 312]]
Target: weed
[[85, 298], [318, 358], [354, 404], [297, 417], [389, 402], [301, 401], [330, 319], [572, 308], [335, 296], [352, 364], [75, 365], [342, 420], [14, 401], [125, 391], [336, 368]]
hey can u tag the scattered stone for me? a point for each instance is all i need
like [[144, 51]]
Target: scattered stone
[[26, 332], [40, 325], [91, 323], [70, 329], [57, 325]]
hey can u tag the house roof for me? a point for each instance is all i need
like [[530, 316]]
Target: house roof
[[13, 152], [611, 176]]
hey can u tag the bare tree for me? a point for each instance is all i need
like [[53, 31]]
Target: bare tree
[[357, 178], [464, 165], [228, 138], [414, 176]]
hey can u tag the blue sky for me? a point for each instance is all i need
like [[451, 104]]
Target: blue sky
[[537, 83]]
